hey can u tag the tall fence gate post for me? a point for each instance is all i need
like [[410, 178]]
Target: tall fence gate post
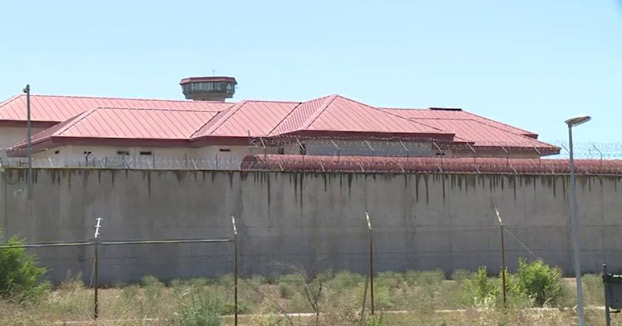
[[371, 263], [96, 268], [235, 269]]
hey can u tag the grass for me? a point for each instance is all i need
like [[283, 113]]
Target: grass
[[410, 298]]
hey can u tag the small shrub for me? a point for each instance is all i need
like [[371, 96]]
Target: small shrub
[[291, 278], [201, 312], [481, 289], [345, 280], [228, 308], [461, 275], [539, 281], [389, 280], [434, 277], [268, 320], [375, 320], [130, 292], [19, 274], [150, 280], [72, 283], [285, 292], [198, 282], [226, 280], [516, 299]]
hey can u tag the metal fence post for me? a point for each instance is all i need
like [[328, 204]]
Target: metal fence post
[[235, 269], [371, 263], [503, 267], [96, 268], [605, 286]]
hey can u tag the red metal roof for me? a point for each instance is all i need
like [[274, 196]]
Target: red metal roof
[[299, 115], [53, 108], [471, 128], [456, 115], [428, 164], [256, 118], [129, 124], [338, 114], [330, 116]]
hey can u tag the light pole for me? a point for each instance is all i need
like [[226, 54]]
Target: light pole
[[29, 137], [572, 122]]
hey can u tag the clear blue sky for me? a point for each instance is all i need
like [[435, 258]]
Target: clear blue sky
[[529, 63]]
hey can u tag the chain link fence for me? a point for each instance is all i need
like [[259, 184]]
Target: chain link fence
[[318, 295], [346, 154]]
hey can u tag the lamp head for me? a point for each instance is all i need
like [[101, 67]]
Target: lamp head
[[575, 121]]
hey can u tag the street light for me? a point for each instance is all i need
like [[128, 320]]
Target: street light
[[29, 138], [572, 122]]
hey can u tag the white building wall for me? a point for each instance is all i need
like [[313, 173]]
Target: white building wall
[[208, 157], [361, 148], [9, 136]]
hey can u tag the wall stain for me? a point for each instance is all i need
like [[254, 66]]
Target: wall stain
[[269, 193], [149, 183], [350, 175], [427, 189], [69, 180], [180, 174], [325, 182], [443, 181], [301, 175], [291, 175], [417, 187]]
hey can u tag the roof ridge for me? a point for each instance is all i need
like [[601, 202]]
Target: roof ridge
[[505, 124], [153, 109], [284, 118], [73, 121], [321, 109], [10, 99], [206, 122], [413, 121], [232, 110], [398, 116], [270, 101]]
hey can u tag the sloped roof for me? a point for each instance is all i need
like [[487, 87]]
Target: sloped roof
[[456, 115], [256, 118], [127, 124], [338, 114], [472, 128], [90, 118], [54, 108]]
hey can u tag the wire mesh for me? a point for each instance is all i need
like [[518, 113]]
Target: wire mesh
[[362, 154]]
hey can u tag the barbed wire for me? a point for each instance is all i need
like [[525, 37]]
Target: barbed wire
[[362, 154]]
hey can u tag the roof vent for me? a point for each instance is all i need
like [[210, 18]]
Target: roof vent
[[445, 109], [216, 88]]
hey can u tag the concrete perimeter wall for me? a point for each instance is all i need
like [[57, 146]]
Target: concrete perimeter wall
[[310, 220]]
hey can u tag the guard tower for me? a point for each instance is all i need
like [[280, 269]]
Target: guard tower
[[217, 88]]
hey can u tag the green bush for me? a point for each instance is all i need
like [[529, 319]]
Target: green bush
[[346, 280], [20, 277], [285, 292], [539, 281], [150, 281], [481, 289], [201, 312], [461, 275], [434, 277]]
